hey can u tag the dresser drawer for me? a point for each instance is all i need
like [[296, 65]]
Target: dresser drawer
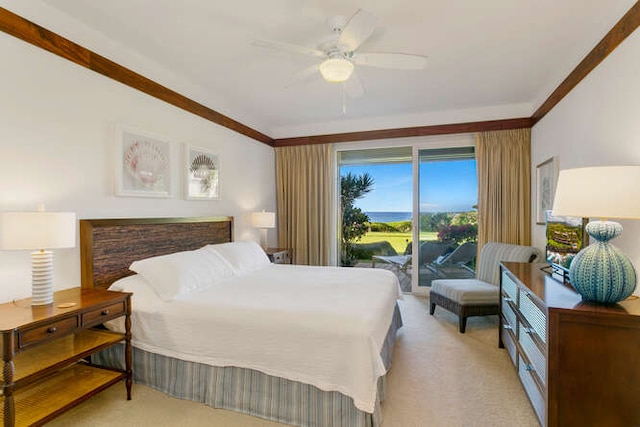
[[536, 318], [52, 330], [509, 288], [536, 358], [508, 314], [509, 341], [103, 314], [536, 397]]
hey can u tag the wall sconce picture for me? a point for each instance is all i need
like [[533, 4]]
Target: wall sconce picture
[[202, 180]]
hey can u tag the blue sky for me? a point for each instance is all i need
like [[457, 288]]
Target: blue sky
[[447, 186]]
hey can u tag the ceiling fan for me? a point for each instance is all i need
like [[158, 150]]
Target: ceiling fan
[[340, 54]]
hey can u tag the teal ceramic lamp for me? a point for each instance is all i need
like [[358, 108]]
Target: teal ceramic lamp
[[600, 272]]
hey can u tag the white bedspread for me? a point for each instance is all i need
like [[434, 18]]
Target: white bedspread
[[323, 326]]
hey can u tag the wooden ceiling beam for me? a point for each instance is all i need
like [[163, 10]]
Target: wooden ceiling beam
[[623, 28], [36, 35]]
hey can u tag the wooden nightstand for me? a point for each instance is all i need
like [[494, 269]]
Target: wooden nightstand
[[279, 255], [45, 350]]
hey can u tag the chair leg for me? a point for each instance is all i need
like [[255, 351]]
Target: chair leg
[[462, 324], [432, 309]]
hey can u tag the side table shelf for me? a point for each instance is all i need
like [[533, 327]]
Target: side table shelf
[[45, 351]]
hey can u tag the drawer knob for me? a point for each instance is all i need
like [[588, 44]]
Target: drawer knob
[[105, 312], [528, 367], [52, 330], [508, 299], [507, 327]]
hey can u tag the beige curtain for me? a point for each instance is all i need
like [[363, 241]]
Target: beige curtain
[[304, 184], [503, 160]]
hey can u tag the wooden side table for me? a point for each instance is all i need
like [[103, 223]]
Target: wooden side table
[[45, 350], [279, 255]]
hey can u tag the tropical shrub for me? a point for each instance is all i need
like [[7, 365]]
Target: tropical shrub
[[354, 221], [458, 233]]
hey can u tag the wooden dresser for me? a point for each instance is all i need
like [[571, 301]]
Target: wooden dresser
[[46, 352], [579, 362]]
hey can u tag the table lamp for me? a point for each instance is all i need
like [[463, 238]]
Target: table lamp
[[263, 220], [600, 272], [38, 231]]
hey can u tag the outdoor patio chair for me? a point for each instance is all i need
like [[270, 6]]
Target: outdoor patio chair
[[399, 262], [430, 251], [454, 265], [478, 296]]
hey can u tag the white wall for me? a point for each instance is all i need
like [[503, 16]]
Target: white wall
[[57, 147], [598, 123]]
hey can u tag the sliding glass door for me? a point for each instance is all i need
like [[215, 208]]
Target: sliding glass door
[[446, 224], [411, 210]]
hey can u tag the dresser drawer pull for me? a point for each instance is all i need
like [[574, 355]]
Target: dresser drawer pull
[[105, 312], [529, 367], [508, 299], [52, 330], [507, 327]]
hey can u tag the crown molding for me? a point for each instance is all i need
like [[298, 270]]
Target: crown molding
[[447, 129]]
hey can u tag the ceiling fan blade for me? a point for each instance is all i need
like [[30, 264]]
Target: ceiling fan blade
[[401, 61], [287, 47], [303, 76], [361, 25], [354, 87]]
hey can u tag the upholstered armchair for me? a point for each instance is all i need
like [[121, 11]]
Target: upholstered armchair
[[479, 296]]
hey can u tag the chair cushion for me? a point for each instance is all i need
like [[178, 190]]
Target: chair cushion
[[467, 291]]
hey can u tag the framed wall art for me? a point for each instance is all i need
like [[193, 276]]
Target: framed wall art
[[143, 163], [202, 174], [546, 178]]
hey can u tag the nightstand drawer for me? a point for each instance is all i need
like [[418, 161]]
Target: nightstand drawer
[[103, 314], [52, 330]]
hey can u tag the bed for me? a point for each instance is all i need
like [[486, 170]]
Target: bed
[[301, 345]]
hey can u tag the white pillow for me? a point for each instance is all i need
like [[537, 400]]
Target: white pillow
[[183, 272], [243, 256]]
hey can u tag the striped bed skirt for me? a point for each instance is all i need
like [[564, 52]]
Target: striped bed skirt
[[250, 391]]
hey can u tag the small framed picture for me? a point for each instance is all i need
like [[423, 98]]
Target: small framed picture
[[143, 163], [202, 174], [546, 178]]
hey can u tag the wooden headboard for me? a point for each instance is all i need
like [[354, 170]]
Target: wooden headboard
[[109, 246]]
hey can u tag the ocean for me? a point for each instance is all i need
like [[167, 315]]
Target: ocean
[[389, 216]]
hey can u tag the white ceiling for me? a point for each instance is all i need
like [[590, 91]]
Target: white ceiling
[[489, 59]]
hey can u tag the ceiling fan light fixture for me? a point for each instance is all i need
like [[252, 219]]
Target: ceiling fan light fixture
[[336, 70]]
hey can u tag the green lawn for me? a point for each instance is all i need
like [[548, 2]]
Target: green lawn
[[397, 240]]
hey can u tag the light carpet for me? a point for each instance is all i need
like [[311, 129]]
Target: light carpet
[[439, 377]]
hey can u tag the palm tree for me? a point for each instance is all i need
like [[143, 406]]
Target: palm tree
[[352, 187]]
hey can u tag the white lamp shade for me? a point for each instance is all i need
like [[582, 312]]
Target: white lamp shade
[[336, 70], [598, 192], [263, 219], [37, 230]]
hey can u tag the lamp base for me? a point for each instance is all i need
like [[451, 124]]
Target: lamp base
[[601, 272], [263, 238], [41, 278]]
